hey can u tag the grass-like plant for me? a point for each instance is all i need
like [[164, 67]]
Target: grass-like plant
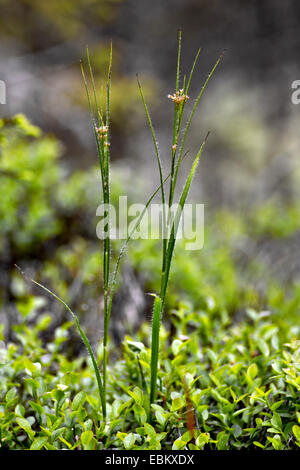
[[170, 227], [100, 116]]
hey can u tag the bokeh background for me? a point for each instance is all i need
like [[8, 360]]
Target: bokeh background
[[248, 179]]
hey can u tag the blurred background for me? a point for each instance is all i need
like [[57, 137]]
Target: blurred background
[[248, 178]]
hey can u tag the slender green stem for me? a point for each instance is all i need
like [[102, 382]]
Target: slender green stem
[[123, 249], [178, 60], [98, 106], [176, 117], [84, 339], [159, 301], [157, 310], [172, 238], [107, 241], [99, 148], [164, 223], [168, 253], [102, 141], [191, 118]]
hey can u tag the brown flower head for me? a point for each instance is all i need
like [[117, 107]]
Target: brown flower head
[[179, 97]]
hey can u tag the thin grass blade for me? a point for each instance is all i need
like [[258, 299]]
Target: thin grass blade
[[83, 337], [158, 162], [172, 239], [157, 310]]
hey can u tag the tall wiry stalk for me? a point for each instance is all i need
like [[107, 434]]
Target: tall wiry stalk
[[170, 227], [101, 126]]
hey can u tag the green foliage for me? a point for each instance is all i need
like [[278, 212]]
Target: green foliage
[[275, 219], [62, 19], [208, 276], [29, 175], [220, 387]]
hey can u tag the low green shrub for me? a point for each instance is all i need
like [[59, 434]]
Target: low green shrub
[[221, 386]]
